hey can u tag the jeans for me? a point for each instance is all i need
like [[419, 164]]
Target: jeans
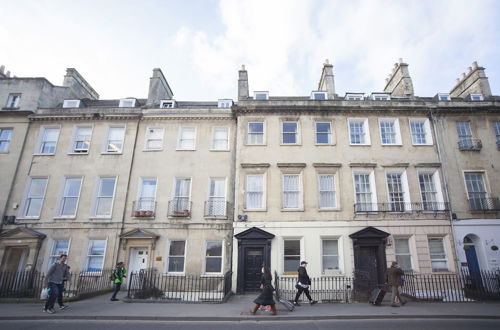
[[116, 289], [60, 295], [54, 293], [306, 291]]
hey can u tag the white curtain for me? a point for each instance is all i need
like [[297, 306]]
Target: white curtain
[[220, 141], [291, 191], [327, 190], [255, 191]]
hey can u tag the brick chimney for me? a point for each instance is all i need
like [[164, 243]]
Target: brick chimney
[[399, 83], [159, 88], [327, 82], [243, 84], [474, 82]]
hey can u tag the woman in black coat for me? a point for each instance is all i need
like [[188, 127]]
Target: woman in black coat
[[266, 297]]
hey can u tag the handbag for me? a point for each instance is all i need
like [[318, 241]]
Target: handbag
[[44, 294]]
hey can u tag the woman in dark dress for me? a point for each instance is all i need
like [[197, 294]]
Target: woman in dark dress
[[266, 297]]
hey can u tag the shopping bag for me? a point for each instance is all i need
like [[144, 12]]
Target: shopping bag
[[44, 294]]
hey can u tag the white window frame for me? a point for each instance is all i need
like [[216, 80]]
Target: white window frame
[[73, 149], [397, 131], [265, 93], [263, 133], [210, 197], [180, 139], [263, 201], [437, 185], [62, 198], [139, 193], [147, 138], [27, 198], [299, 239], [41, 141], [330, 271], [56, 256], [496, 130], [300, 192], [404, 185], [127, 103], [224, 103], [381, 97], [88, 255], [476, 97], [205, 272], [13, 101], [297, 133], [106, 149], [485, 184], [96, 199], [71, 104], [5, 141], [396, 254], [427, 130], [444, 97], [335, 202], [439, 260], [354, 96], [315, 93], [213, 144], [178, 256], [366, 131], [174, 193], [167, 104], [373, 188], [329, 134]]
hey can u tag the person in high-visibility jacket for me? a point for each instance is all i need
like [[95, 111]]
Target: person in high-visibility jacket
[[117, 277]]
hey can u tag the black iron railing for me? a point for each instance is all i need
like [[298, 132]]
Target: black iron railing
[[484, 204], [401, 207], [29, 284], [151, 284], [144, 208], [216, 208], [324, 289], [179, 207], [498, 143], [470, 144]]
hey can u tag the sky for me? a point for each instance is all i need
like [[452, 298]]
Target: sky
[[201, 44]]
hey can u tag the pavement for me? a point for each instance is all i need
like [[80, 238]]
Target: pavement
[[238, 308]]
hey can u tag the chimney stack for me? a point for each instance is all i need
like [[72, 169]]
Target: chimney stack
[[327, 81], [474, 82], [399, 82], [159, 88], [243, 93]]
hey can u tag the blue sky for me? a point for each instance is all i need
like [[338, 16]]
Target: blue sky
[[200, 45]]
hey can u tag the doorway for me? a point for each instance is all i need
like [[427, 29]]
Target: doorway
[[138, 260], [472, 262], [15, 259], [254, 258]]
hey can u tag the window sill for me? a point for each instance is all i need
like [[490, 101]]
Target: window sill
[[324, 144], [78, 153], [175, 274], [100, 218], [111, 153], [38, 154], [219, 150], [292, 210], [330, 210], [359, 145], [255, 145], [391, 145], [152, 150], [291, 144], [185, 149], [4, 152], [24, 218], [254, 210], [65, 218], [212, 275], [422, 145], [11, 108]]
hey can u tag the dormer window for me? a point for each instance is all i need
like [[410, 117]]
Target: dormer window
[[225, 103], [319, 96], [354, 96], [444, 97], [71, 104], [476, 97], [380, 97], [261, 95], [167, 104], [127, 103], [13, 101]]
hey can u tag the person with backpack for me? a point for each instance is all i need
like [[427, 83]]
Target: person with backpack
[[117, 277]]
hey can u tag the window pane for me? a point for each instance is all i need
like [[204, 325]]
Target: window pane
[[97, 247], [357, 132], [330, 247], [214, 249], [418, 133], [69, 205], [104, 206], [177, 248], [176, 264], [292, 247], [213, 265], [107, 187], [95, 264], [37, 188], [291, 263]]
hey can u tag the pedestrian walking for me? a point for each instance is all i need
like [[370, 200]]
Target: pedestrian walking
[[395, 276], [56, 276], [303, 284], [266, 296], [117, 277]]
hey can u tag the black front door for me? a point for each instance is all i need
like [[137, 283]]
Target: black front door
[[368, 263], [254, 259]]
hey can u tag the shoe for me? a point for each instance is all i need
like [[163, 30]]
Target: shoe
[[403, 303], [395, 305], [296, 303], [314, 302], [50, 311], [63, 307], [114, 299]]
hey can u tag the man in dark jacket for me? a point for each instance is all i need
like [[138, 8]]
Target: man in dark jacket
[[395, 280], [117, 278], [303, 284], [56, 276]]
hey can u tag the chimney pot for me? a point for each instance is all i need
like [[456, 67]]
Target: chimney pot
[[1, 69], [400, 60], [474, 64], [327, 62], [7, 74], [463, 75], [243, 67]]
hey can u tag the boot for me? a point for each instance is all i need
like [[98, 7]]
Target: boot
[[254, 310], [273, 309]]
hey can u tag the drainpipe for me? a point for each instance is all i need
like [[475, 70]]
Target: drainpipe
[[445, 181]]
